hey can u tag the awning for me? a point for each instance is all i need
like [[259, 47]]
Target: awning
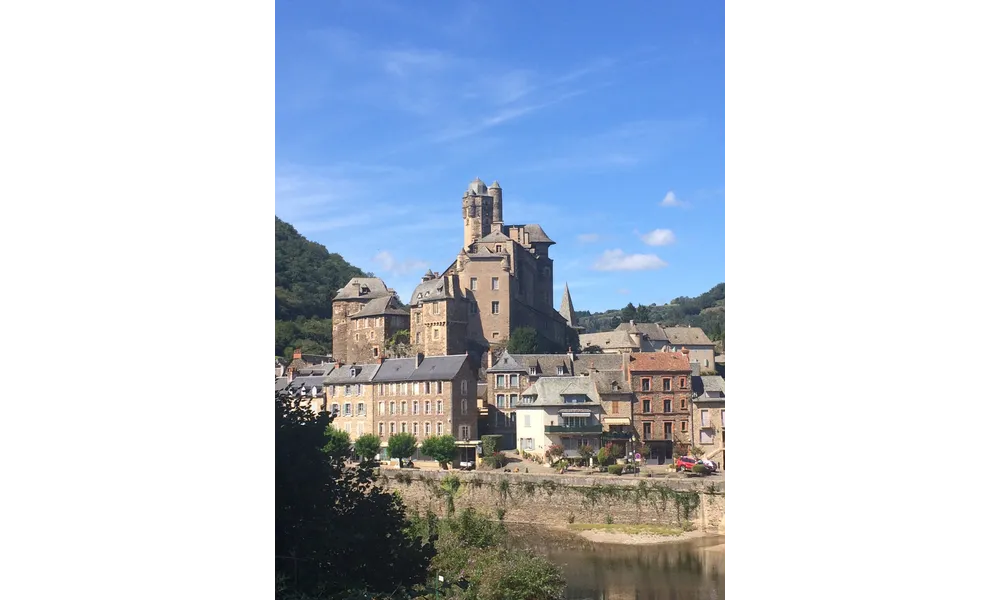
[[617, 421], [575, 413]]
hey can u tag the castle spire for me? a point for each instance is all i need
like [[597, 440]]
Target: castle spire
[[566, 309]]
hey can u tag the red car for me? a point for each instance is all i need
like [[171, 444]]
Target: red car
[[686, 463]]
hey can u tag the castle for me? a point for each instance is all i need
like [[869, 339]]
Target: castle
[[500, 281]]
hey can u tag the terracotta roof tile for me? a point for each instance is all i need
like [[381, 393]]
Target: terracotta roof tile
[[660, 361]]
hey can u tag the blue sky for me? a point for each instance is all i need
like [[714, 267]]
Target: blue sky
[[603, 125]]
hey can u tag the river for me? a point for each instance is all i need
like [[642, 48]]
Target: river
[[689, 570]]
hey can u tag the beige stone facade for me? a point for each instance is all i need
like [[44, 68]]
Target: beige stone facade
[[501, 280], [709, 417], [366, 314], [661, 383]]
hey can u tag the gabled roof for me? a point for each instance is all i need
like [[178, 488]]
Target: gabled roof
[[342, 374], [306, 382], [362, 288], [606, 381], [314, 370], [545, 364], [551, 390], [703, 384], [646, 362], [386, 305], [434, 289], [432, 368], [651, 330], [496, 236], [588, 363], [690, 336], [537, 234], [607, 340]]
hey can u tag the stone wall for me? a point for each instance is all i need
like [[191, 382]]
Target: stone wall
[[561, 499]]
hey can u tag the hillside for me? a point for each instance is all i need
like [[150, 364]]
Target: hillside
[[707, 311], [306, 276]]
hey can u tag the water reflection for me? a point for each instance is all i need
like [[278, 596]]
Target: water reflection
[[692, 570]]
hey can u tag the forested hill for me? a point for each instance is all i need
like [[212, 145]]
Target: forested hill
[[306, 276], [707, 311]]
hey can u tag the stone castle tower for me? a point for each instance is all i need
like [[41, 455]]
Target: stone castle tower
[[501, 280], [482, 208]]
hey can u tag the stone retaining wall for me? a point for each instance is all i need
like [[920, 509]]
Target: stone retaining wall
[[561, 499]]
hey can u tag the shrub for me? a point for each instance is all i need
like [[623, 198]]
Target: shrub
[[604, 457], [440, 448], [495, 460], [586, 452], [699, 469], [491, 444], [367, 446], [555, 452], [616, 469]]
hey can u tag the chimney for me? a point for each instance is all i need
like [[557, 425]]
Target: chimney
[[631, 322], [291, 374], [297, 354], [420, 358], [336, 364], [569, 352], [489, 359], [695, 368]]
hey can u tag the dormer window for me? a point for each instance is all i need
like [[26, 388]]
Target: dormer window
[[499, 248], [560, 370], [532, 370], [614, 386]]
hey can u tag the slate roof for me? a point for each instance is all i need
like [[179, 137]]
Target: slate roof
[[280, 384], [660, 361], [429, 290], [651, 330], [537, 234], [547, 364], [687, 336], [306, 382], [566, 308], [587, 363], [314, 370], [550, 390], [703, 384], [496, 236], [432, 368], [342, 374], [603, 381], [607, 340], [376, 289], [386, 305]]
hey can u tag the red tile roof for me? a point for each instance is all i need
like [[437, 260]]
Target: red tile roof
[[660, 361]]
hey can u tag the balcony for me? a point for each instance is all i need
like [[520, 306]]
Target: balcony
[[573, 429]]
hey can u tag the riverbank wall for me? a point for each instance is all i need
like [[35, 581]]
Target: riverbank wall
[[698, 504]]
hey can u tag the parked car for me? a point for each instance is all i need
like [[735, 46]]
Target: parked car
[[686, 463]]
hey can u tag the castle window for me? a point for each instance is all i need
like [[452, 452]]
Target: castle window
[[495, 283], [499, 248], [473, 284], [495, 308], [496, 335], [418, 337], [427, 407], [437, 308], [472, 211], [440, 387], [375, 351], [435, 334]]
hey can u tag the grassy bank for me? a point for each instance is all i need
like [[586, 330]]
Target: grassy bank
[[626, 529]]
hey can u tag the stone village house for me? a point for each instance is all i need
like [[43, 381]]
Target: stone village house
[[562, 411], [425, 396], [661, 383], [709, 412], [510, 375]]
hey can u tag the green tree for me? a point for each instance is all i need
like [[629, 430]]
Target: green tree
[[642, 314], [523, 340], [615, 322], [586, 452], [367, 446], [440, 448], [338, 443], [332, 522], [628, 313], [402, 445]]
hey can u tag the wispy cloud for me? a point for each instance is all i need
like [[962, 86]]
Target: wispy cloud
[[658, 237], [671, 200], [588, 238], [618, 260], [388, 263]]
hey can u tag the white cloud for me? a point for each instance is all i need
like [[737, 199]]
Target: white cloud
[[587, 238], [388, 263], [670, 200], [658, 237], [617, 260]]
